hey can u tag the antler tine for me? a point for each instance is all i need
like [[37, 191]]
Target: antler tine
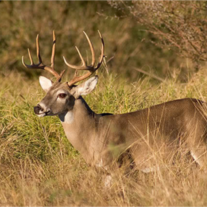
[[53, 50], [92, 50], [30, 57], [82, 67], [34, 66], [102, 52], [40, 65], [81, 57], [91, 69], [51, 69], [38, 49]]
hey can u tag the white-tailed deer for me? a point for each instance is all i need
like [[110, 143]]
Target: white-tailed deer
[[104, 138]]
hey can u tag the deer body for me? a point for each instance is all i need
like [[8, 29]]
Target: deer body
[[95, 136], [106, 140]]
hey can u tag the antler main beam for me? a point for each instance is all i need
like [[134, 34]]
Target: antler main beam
[[40, 65], [91, 68]]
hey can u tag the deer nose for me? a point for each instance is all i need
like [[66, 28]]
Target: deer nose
[[37, 109]]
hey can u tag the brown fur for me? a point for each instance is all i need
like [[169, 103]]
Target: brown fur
[[104, 139]]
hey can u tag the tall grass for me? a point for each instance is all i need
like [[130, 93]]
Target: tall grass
[[38, 166]]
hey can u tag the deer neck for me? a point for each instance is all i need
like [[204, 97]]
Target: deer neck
[[78, 125]]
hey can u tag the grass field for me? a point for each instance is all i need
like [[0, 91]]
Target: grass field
[[40, 167]]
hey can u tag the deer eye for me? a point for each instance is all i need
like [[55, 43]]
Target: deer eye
[[61, 95]]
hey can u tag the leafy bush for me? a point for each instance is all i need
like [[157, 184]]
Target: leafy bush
[[174, 24]]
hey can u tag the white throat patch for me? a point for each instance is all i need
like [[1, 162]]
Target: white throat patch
[[67, 118]]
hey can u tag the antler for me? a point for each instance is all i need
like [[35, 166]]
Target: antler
[[40, 65], [91, 68]]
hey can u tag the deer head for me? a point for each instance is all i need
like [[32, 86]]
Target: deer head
[[60, 97]]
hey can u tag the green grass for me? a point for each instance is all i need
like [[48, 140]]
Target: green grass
[[40, 167]]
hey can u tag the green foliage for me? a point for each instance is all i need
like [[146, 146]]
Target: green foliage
[[126, 44], [179, 25]]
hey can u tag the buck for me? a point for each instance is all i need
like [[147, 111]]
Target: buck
[[106, 140]]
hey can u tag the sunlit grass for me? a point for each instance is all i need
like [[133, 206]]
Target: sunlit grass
[[40, 167]]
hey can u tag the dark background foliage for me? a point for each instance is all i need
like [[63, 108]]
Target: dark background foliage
[[156, 37]]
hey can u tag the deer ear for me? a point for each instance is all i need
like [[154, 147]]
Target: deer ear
[[45, 83], [86, 87]]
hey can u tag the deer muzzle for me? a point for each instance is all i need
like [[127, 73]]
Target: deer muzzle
[[40, 111]]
